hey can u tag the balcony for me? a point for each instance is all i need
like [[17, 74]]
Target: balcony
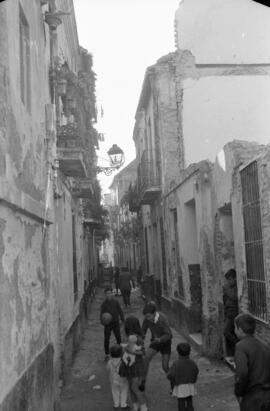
[[70, 152], [92, 223], [149, 181], [71, 161], [134, 206], [66, 132], [134, 198], [82, 188]]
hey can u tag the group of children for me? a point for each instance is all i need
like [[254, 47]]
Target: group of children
[[129, 362]]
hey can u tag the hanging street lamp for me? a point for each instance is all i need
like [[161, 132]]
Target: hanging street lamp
[[117, 159]]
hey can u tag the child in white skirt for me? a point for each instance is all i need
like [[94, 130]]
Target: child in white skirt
[[183, 375]]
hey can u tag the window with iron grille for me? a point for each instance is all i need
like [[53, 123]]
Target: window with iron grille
[[25, 60], [253, 241]]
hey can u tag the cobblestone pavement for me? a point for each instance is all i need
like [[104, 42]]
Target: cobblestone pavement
[[87, 386]]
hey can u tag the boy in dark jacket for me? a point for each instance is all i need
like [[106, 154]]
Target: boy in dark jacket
[[161, 340], [183, 374], [111, 305], [252, 360]]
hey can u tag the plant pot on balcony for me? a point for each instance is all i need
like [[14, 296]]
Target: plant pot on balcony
[[61, 86], [52, 20]]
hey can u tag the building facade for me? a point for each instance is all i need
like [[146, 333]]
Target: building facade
[[159, 155], [124, 223], [48, 258], [202, 116]]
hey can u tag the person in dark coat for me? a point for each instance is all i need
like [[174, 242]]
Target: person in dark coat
[[139, 276], [252, 373], [230, 300], [116, 280], [183, 375], [111, 305], [125, 282]]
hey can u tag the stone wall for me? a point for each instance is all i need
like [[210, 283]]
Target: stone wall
[[24, 270], [35, 388], [260, 154], [40, 309], [197, 310], [25, 290]]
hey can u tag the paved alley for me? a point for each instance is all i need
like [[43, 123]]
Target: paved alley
[[87, 386]]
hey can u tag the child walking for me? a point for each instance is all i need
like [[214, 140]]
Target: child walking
[[119, 385], [183, 374]]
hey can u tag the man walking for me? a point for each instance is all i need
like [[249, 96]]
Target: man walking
[[116, 280], [125, 282]]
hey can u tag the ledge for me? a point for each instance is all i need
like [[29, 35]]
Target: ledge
[[21, 202]]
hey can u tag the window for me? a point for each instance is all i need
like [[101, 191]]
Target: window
[[253, 241], [25, 60]]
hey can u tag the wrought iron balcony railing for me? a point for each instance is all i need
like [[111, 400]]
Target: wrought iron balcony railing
[[71, 161], [149, 178], [82, 188], [134, 198]]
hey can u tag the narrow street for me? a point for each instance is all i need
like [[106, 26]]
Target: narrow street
[[87, 386], [134, 148]]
